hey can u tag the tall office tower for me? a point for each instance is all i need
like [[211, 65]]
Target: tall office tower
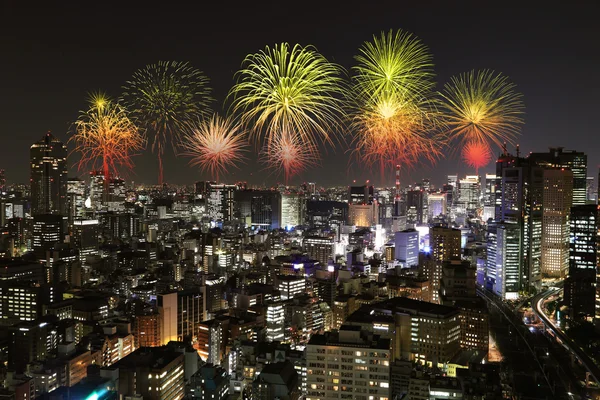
[[580, 286], [275, 321], [359, 359], [75, 198], [414, 207], [489, 198], [445, 245], [491, 253], [576, 161], [319, 248], [28, 342], [47, 232], [469, 193], [363, 215], [85, 237], [48, 160], [448, 190], [190, 312], [109, 195], [407, 248], [504, 259], [591, 190], [2, 181], [436, 205], [557, 203], [519, 197], [326, 214], [167, 311], [360, 194], [453, 180], [220, 201], [292, 210], [259, 208]]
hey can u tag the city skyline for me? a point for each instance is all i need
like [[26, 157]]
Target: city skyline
[[517, 52]]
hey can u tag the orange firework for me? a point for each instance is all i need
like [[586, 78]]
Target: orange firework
[[104, 136], [392, 131], [476, 154], [215, 145], [289, 153]]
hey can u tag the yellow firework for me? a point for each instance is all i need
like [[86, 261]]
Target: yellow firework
[[395, 119], [105, 137], [287, 90], [394, 63], [482, 107], [215, 145]]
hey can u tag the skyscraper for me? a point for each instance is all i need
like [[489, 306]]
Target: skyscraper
[[580, 286], [47, 232], [75, 198], [407, 248], [508, 262], [220, 202], [360, 194], [436, 205], [2, 181], [292, 210], [576, 161], [414, 207], [518, 200], [558, 199], [469, 192], [48, 160]]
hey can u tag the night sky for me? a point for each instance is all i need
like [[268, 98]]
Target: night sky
[[53, 55]]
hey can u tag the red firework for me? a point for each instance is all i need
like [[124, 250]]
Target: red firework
[[289, 153], [476, 154]]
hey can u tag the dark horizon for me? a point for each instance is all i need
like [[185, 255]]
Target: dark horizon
[[56, 54]]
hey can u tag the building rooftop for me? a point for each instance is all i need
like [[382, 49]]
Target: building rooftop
[[350, 336], [150, 357]]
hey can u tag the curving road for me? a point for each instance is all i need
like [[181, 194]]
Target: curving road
[[537, 302]]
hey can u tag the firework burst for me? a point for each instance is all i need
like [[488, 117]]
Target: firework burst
[[289, 154], [476, 154], [396, 62], [482, 107], [287, 91], [164, 98], [215, 144], [105, 137], [394, 113]]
